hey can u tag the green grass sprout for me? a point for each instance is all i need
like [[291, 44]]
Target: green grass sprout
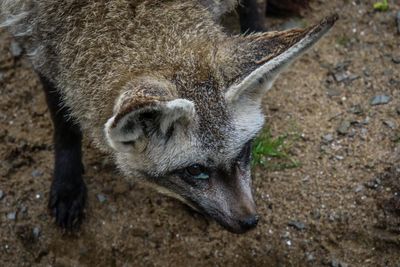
[[381, 5], [273, 153]]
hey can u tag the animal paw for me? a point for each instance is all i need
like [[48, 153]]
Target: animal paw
[[67, 203]]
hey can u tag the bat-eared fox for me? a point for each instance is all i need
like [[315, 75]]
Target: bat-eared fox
[[159, 86]]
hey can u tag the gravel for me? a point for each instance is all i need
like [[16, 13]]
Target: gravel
[[356, 109], [36, 173], [297, 224], [101, 198], [380, 100], [374, 183], [389, 124], [396, 60], [359, 188], [36, 232], [337, 263], [327, 138], [12, 216], [343, 127]]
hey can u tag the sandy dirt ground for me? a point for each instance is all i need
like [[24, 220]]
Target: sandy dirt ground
[[340, 207]]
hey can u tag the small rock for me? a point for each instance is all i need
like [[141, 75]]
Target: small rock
[[1, 194], [373, 184], [333, 92], [396, 60], [344, 127], [338, 157], [333, 216], [366, 120], [364, 133], [298, 225], [24, 209], [359, 188], [310, 257], [390, 124], [15, 49], [353, 77], [340, 76], [380, 100], [101, 198], [327, 138], [36, 232], [337, 263], [356, 109], [367, 72], [36, 173], [12, 216], [398, 110]]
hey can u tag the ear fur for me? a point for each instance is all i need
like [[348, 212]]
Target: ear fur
[[272, 52], [137, 117]]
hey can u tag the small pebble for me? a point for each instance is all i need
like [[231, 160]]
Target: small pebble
[[356, 109], [396, 60], [12, 216], [101, 198], [380, 100], [390, 124], [359, 188], [341, 76], [36, 173], [333, 92], [297, 224], [23, 209], [366, 120], [344, 127], [36, 232], [310, 257], [327, 138], [373, 184], [1, 194], [337, 263], [15, 49], [338, 157]]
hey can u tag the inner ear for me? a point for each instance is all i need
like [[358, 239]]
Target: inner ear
[[141, 119], [268, 54]]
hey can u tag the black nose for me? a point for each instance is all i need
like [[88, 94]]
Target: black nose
[[249, 222]]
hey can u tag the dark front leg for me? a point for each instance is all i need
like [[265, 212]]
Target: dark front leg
[[68, 190], [252, 15]]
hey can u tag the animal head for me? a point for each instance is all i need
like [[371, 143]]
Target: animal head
[[191, 137]]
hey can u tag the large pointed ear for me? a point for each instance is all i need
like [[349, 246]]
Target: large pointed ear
[[147, 108], [269, 54]]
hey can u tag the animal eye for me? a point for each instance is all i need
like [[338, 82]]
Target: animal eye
[[197, 171]]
